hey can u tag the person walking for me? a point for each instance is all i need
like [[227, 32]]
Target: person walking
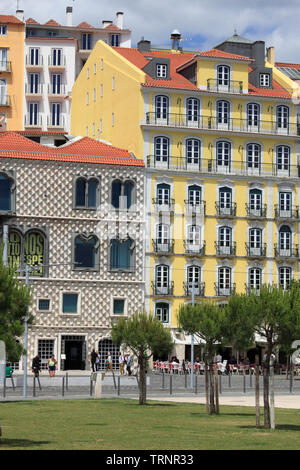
[[97, 364], [36, 365], [93, 358], [121, 362], [108, 363], [129, 362], [51, 366]]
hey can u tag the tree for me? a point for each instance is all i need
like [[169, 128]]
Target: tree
[[14, 301], [205, 321], [273, 313], [144, 335]]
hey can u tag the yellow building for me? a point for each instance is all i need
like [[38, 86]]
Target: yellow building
[[219, 133], [12, 36]]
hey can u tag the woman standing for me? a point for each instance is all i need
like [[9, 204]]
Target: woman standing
[[51, 366]]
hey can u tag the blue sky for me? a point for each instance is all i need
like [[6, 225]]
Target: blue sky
[[202, 23]]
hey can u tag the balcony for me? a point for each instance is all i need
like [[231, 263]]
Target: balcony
[[193, 208], [226, 209], [56, 92], [287, 252], [165, 247], [5, 66], [252, 289], [57, 63], [55, 122], [165, 289], [194, 248], [256, 211], [33, 121], [286, 213], [163, 205], [224, 290], [225, 249], [231, 86], [226, 124], [34, 63], [34, 92], [217, 167], [198, 288], [257, 251], [5, 100]]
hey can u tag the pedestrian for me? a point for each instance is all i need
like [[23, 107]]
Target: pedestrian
[[51, 365], [93, 358], [108, 363], [36, 365], [121, 362], [125, 364], [129, 362], [97, 364]]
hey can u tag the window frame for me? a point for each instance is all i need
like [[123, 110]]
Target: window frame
[[96, 248], [87, 180]]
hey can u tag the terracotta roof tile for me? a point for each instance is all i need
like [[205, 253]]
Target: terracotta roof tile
[[112, 27], [31, 21], [10, 19], [223, 55], [84, 24], [52, 23], [288, 65], [83, 150]]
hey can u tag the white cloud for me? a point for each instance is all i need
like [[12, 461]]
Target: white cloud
[[272, 21]]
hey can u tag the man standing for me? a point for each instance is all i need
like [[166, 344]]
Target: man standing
[[129, 363], [93, 359], [36, 365]]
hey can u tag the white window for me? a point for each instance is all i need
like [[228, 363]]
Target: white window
[[100, 125], [223, 75], [161, 71], [93, 128], [101, 64], [162, 312], [255, 278], [56, 114], [56, 57], [95, 69], [285, 275], [3, 60], [34, 56], [113, 119], [88, 73], [264, 79]]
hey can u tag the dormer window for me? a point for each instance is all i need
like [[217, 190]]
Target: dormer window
[[161, 71], [264, 79]]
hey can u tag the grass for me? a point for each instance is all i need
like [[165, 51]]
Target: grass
[[119, 424]]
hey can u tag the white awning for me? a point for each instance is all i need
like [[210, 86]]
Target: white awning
[[186, 339]]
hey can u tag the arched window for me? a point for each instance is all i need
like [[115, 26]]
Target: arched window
[[163, 193], [162, 285], [223, 72], [161, 107], [122, 254], [253, 114], [86, 193], [253, 156], [85, 252], [223, 154], [283, 158], [193, 276], [285, 241], [225, 246], [6, 185], [282, 117], [255, 199], [225, 205], [161, 150], [162, 312], [194, 235], [223, 113], [116, 191], [224, 281], [193, 110], [255, 278], [129, 193], [122, 194], [193, 152], [195, 195], [285, 277]]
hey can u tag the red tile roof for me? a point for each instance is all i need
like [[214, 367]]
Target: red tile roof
[[52, 23], [83, 150], [180, 61], [112, 27], [286, 64], [84, 24], [31, 21], [10, 19]]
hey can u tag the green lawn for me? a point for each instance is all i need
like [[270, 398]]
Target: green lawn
[[117, 424]]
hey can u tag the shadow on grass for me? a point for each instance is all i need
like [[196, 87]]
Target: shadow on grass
[[21, 443], [279, 427]]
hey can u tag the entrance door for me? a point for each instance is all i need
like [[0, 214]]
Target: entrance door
[[73, 352]]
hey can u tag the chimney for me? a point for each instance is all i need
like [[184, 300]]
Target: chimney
[[175, 38], [20, 15], [119, 21], [69, 11], [144, 46], [106, 23], [271, 55]]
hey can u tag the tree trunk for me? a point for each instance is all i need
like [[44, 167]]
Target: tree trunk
[[212, 409], [257, 391], [216, 387], [207, 386], [267, 421], [142, 380], [272, 404]]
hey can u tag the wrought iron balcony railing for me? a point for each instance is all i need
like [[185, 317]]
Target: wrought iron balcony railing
[[249, 288], [229, 86], [198, 288], [162, 289], [5, 66], [224, 123], [224, 290], [163, 204], [288, 251], [226, 209], [282, 212], [225, 249], [197, 208], [194, 248], [256, 251], [163, 246], [256, 210]]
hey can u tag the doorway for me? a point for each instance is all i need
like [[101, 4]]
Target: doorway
[[73, 349]]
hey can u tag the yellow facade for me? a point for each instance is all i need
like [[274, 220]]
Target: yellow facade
[[253, 165], [12, 74]]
